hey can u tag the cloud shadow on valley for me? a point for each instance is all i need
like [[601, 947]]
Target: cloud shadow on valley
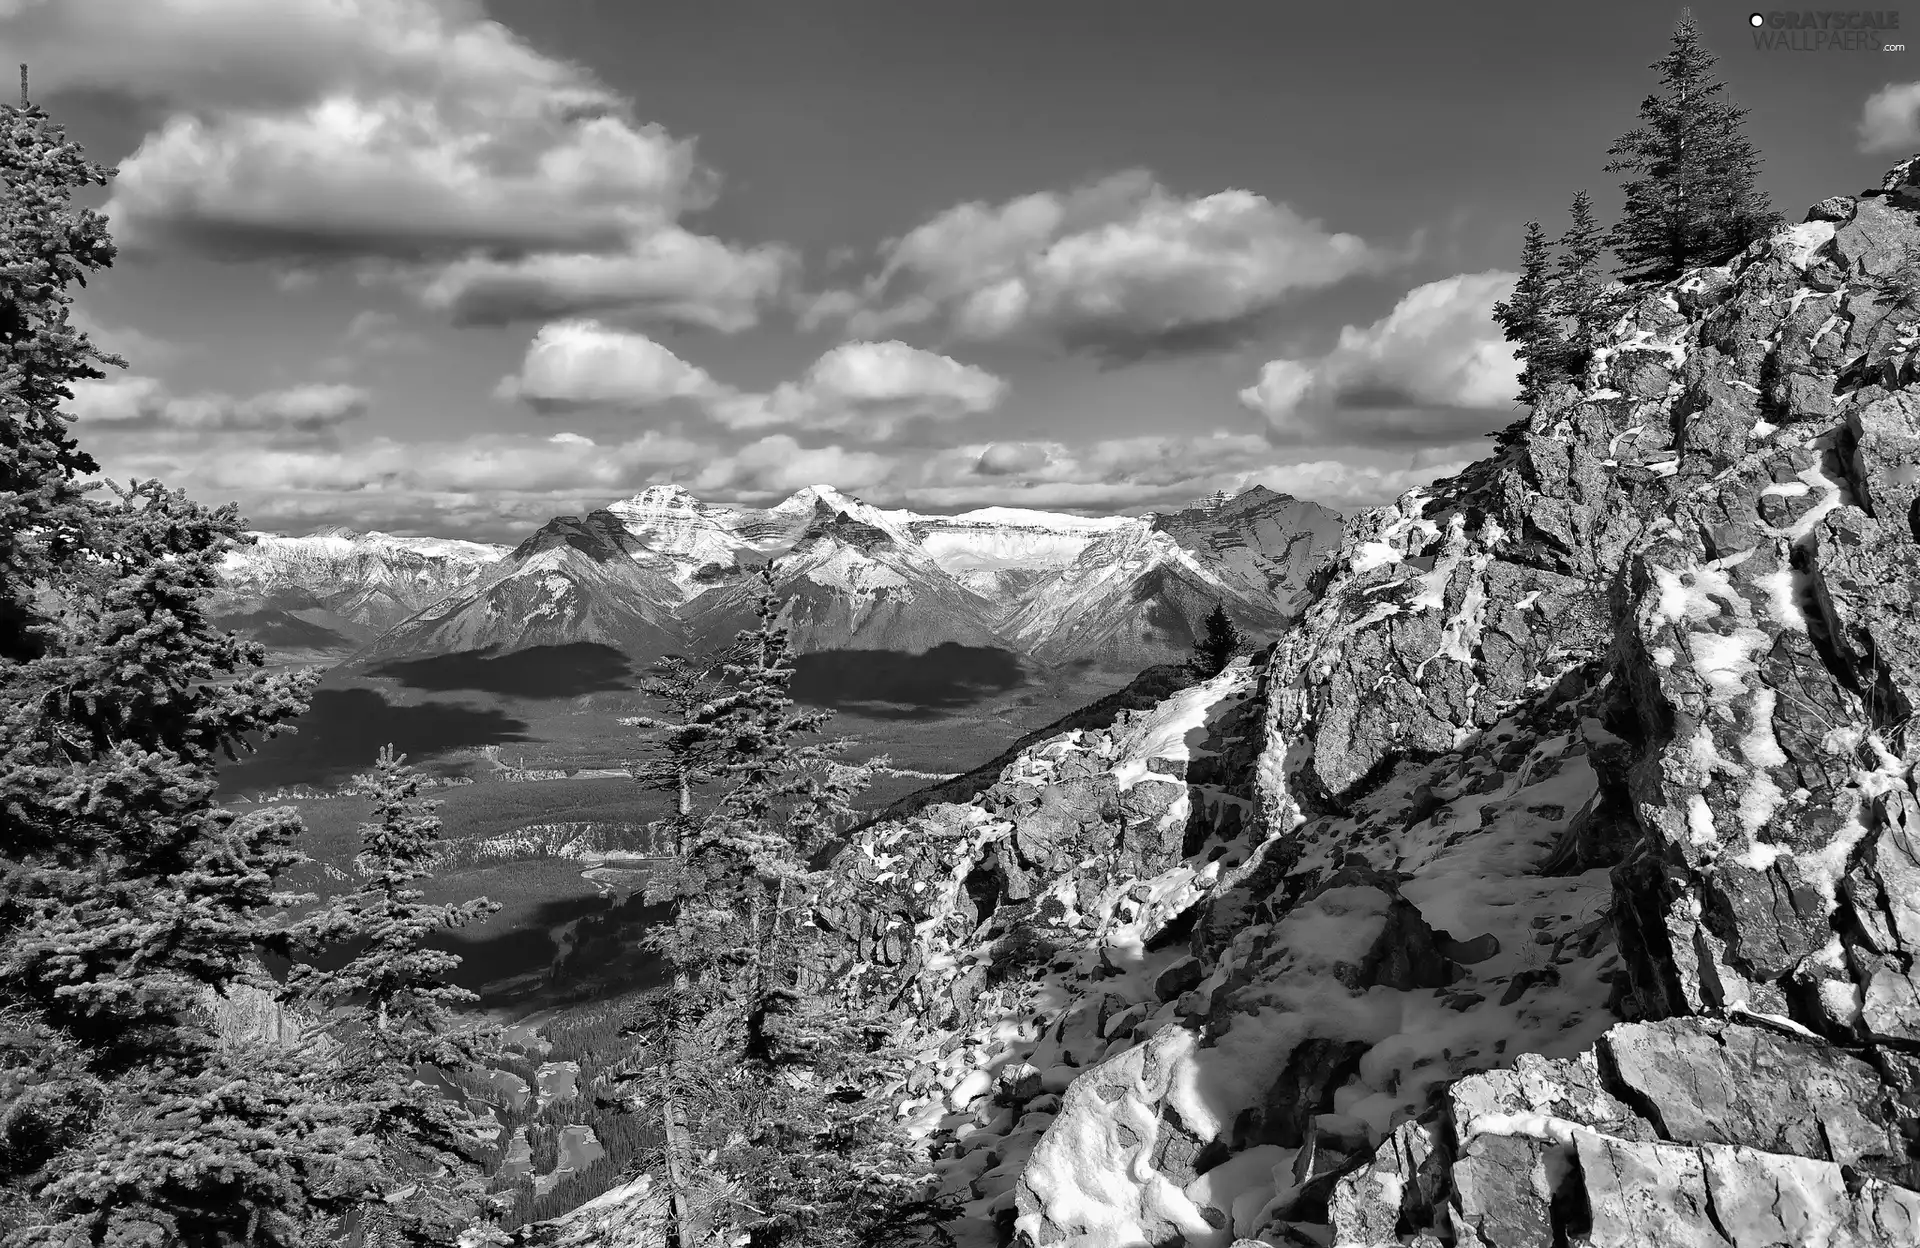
[[343, 730], [568, 671], [897, 684]]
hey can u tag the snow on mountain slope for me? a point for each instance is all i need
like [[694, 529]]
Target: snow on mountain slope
[[998, 576], [1551, 882], [806, 504], [1027, 517], [1270, 543], [333, 589], [710, 539], [335, 545], [1000, 551], [1132, 596], [576, 580], [372, 579], [849, 584], [668, 520], [1143, 1077]]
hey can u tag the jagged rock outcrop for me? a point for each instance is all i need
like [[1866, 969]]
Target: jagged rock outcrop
[[1555, 880]]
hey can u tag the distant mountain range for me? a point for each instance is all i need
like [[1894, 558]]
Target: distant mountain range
[[336, 589], [664, 571]]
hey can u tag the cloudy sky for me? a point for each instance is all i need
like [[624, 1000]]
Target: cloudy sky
[[439, 266]]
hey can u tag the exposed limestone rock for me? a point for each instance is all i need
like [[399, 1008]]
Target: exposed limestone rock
[[633, 1215], [1707, 1083], [1555, 880]]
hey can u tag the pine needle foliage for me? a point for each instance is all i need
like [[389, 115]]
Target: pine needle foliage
[[392, 1016], [1531, 322], [1578, 295], [126, 894], [1219, 641], [745, 1049], [1692, 192]]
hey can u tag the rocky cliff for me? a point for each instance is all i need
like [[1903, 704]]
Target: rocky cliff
[[1554, 880]]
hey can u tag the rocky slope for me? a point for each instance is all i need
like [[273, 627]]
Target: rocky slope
[[1268, 542], [1555, 880], [1133, 596]]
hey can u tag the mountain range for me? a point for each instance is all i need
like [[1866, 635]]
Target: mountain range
[[665, 571], [1556, 882], [335, 589]]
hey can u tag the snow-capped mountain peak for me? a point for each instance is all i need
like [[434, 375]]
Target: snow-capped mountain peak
[[336, 585], [660, 497], [1120, 588], [815, 499], [1030, 518], [672, 522]]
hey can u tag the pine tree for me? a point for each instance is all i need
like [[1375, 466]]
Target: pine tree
[[1692, 190], [391, 1014], [737, 891], [680, 754], [127, 895], [1577, 293], [1217, 644], [1530, 322]]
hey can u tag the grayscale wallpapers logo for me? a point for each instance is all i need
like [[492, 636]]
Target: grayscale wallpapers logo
[[1826, 30]]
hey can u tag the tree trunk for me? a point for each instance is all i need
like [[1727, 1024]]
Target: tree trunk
[[692, 1233], [679, 1147], [679, 1150]]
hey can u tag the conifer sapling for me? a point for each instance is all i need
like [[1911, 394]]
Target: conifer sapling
[[391, 1013], [1217, 645], [1530, 321], [1578, 295]]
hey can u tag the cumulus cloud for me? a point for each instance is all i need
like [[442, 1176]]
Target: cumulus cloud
[[1890, 119], [377, 330], [136, 402], [872, 389], [777, 464], [498, 487], [1120, 267], [397, 179], [1008, 459], [669, 275], [249, 54], [413, 138], [369, 335], [578, 364], [1103, 475], [489, 487], [1435, 369]]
